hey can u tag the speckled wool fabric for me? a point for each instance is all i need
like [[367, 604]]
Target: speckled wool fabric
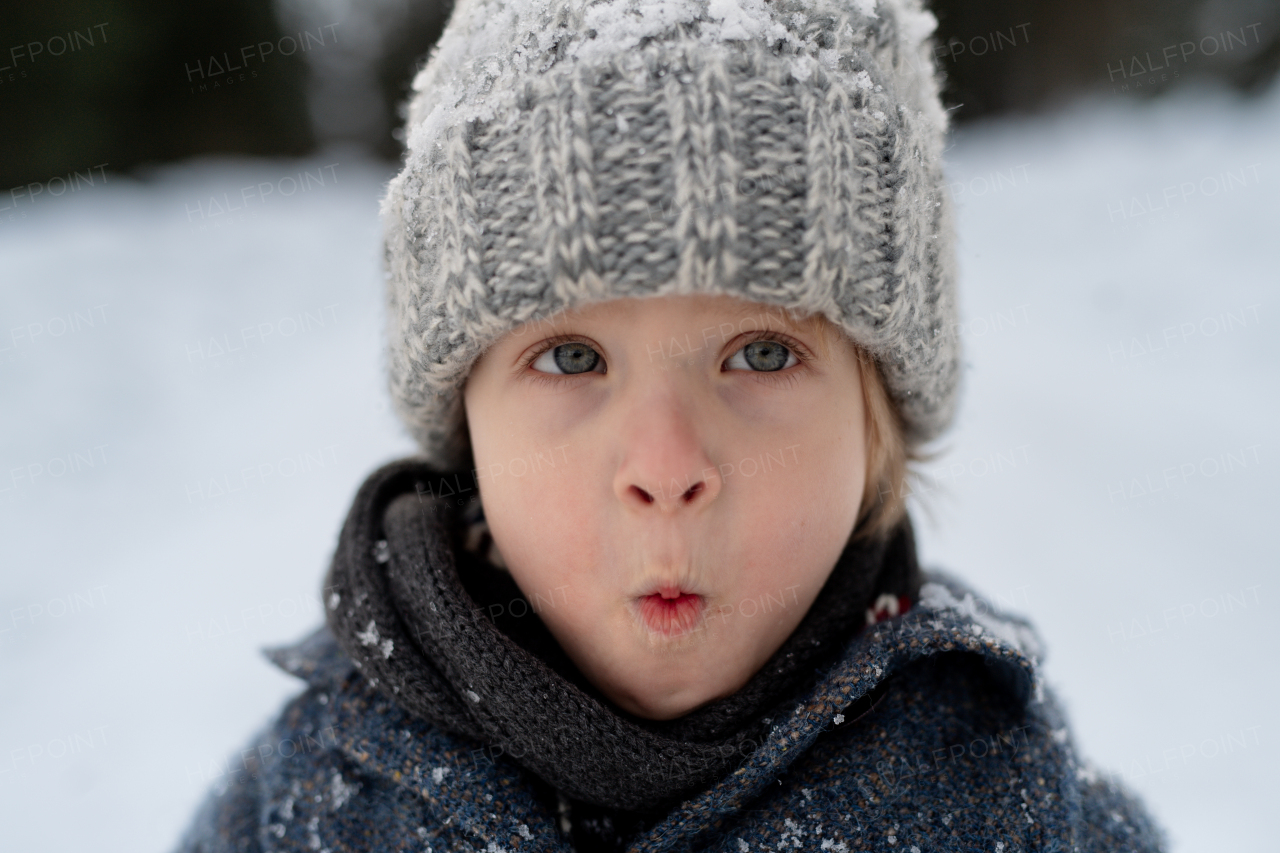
[[562, 153], [962, 749]]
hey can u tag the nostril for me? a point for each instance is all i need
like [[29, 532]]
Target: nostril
[[652, 497]]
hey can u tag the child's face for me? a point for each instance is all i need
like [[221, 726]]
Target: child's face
[[668, 499]]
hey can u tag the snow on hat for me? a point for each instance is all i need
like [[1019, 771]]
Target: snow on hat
[[562, 153]]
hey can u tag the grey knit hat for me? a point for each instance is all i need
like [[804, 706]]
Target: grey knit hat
[[562, 153]]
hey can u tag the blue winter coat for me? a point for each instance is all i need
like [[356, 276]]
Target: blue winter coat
[[963, 749]]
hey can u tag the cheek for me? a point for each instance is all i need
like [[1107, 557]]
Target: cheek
[[841, 439], [543, 527], [795, 520], [791, 533], [827, 465]]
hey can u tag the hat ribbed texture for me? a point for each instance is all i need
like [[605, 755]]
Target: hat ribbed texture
[[563, 153]]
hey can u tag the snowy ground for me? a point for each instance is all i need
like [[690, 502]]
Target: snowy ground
[[190, 399]]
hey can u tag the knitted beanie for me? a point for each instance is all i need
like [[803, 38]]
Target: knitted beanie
[[562, 153]]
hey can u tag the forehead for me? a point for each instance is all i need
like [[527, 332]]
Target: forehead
[[711, 307]]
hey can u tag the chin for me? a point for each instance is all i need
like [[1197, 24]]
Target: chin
[[658, 707], [658, 700]]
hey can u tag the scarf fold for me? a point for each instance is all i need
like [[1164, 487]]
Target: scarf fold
[[444, 633]]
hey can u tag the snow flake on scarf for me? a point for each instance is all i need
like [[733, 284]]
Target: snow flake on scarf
[[369, 637]]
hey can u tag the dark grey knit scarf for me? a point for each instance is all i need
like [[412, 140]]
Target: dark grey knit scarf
[[442, 632]]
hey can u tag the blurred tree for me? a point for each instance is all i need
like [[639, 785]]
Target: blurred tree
[[163, 82], [1019, 55], [125, 82], [359, 90]]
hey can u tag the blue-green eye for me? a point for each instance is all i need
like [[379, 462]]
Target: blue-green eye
[[764, 356], [569, 359]]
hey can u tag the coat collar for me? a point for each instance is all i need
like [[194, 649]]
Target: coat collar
[[462, 782]]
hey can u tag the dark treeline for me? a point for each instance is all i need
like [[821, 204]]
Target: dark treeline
[[114, 84]]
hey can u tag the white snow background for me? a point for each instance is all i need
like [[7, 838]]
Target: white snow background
[[1112, 473]]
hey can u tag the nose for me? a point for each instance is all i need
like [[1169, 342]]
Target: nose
[[665, 466]]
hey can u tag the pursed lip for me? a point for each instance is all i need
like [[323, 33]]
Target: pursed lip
[[670, 611]]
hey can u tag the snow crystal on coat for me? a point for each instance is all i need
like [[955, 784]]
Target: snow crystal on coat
[[936, 596], [342, 790]]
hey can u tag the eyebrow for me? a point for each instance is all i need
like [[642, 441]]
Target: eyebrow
[[811, 324], [742, 312]]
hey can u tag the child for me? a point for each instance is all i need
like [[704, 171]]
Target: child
[[671, 289]]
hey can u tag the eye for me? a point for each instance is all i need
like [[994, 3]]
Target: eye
[[567, 359], [762, 356]]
